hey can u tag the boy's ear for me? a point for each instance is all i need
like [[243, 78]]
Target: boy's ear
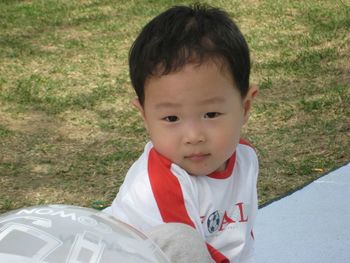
[[248, 101], [136, 103]]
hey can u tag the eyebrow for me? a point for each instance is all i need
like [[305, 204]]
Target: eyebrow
[[167, 105], [213, 100]]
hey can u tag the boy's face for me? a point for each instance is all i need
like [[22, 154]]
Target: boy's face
[[194, 116]]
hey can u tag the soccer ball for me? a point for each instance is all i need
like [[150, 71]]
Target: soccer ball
[[71, 234], [213, 222]]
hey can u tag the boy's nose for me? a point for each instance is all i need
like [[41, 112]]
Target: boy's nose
[[194, 135]]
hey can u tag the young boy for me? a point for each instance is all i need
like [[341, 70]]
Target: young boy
[[190, 69]]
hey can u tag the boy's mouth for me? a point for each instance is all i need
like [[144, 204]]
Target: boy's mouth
[[197, 157]]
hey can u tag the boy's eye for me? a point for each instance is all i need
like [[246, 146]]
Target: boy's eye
[[211, 115], [171, 118]]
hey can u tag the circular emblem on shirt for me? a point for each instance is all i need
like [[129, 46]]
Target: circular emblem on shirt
[[213, 222]]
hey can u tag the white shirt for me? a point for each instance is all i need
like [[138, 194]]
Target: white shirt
[[221, 206]]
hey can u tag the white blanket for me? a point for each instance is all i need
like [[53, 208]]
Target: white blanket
[[310, 225]]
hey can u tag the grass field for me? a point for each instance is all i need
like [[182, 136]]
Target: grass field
[[68, 133]]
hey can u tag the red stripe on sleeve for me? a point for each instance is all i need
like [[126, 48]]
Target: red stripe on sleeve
[[168, 195], [167, 190], [244, 142], [216, 255]]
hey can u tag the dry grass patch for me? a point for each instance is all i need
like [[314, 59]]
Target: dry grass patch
[[68, 133]]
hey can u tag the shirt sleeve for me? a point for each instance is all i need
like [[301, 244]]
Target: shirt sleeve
[[247, 255], [176, 198]]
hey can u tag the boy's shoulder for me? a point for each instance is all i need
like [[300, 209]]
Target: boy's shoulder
[[245, 142], [246, 153]]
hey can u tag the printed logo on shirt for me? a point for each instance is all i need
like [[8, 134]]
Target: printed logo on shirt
[[213, 221], [220, 220]]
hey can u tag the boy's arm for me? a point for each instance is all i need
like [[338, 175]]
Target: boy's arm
[[216, 255], [152, 195], [172, 204]]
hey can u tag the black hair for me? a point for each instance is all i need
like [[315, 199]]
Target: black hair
[[181, 35]]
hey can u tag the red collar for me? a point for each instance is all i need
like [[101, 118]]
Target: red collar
[[227, 172], [215, 175]]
